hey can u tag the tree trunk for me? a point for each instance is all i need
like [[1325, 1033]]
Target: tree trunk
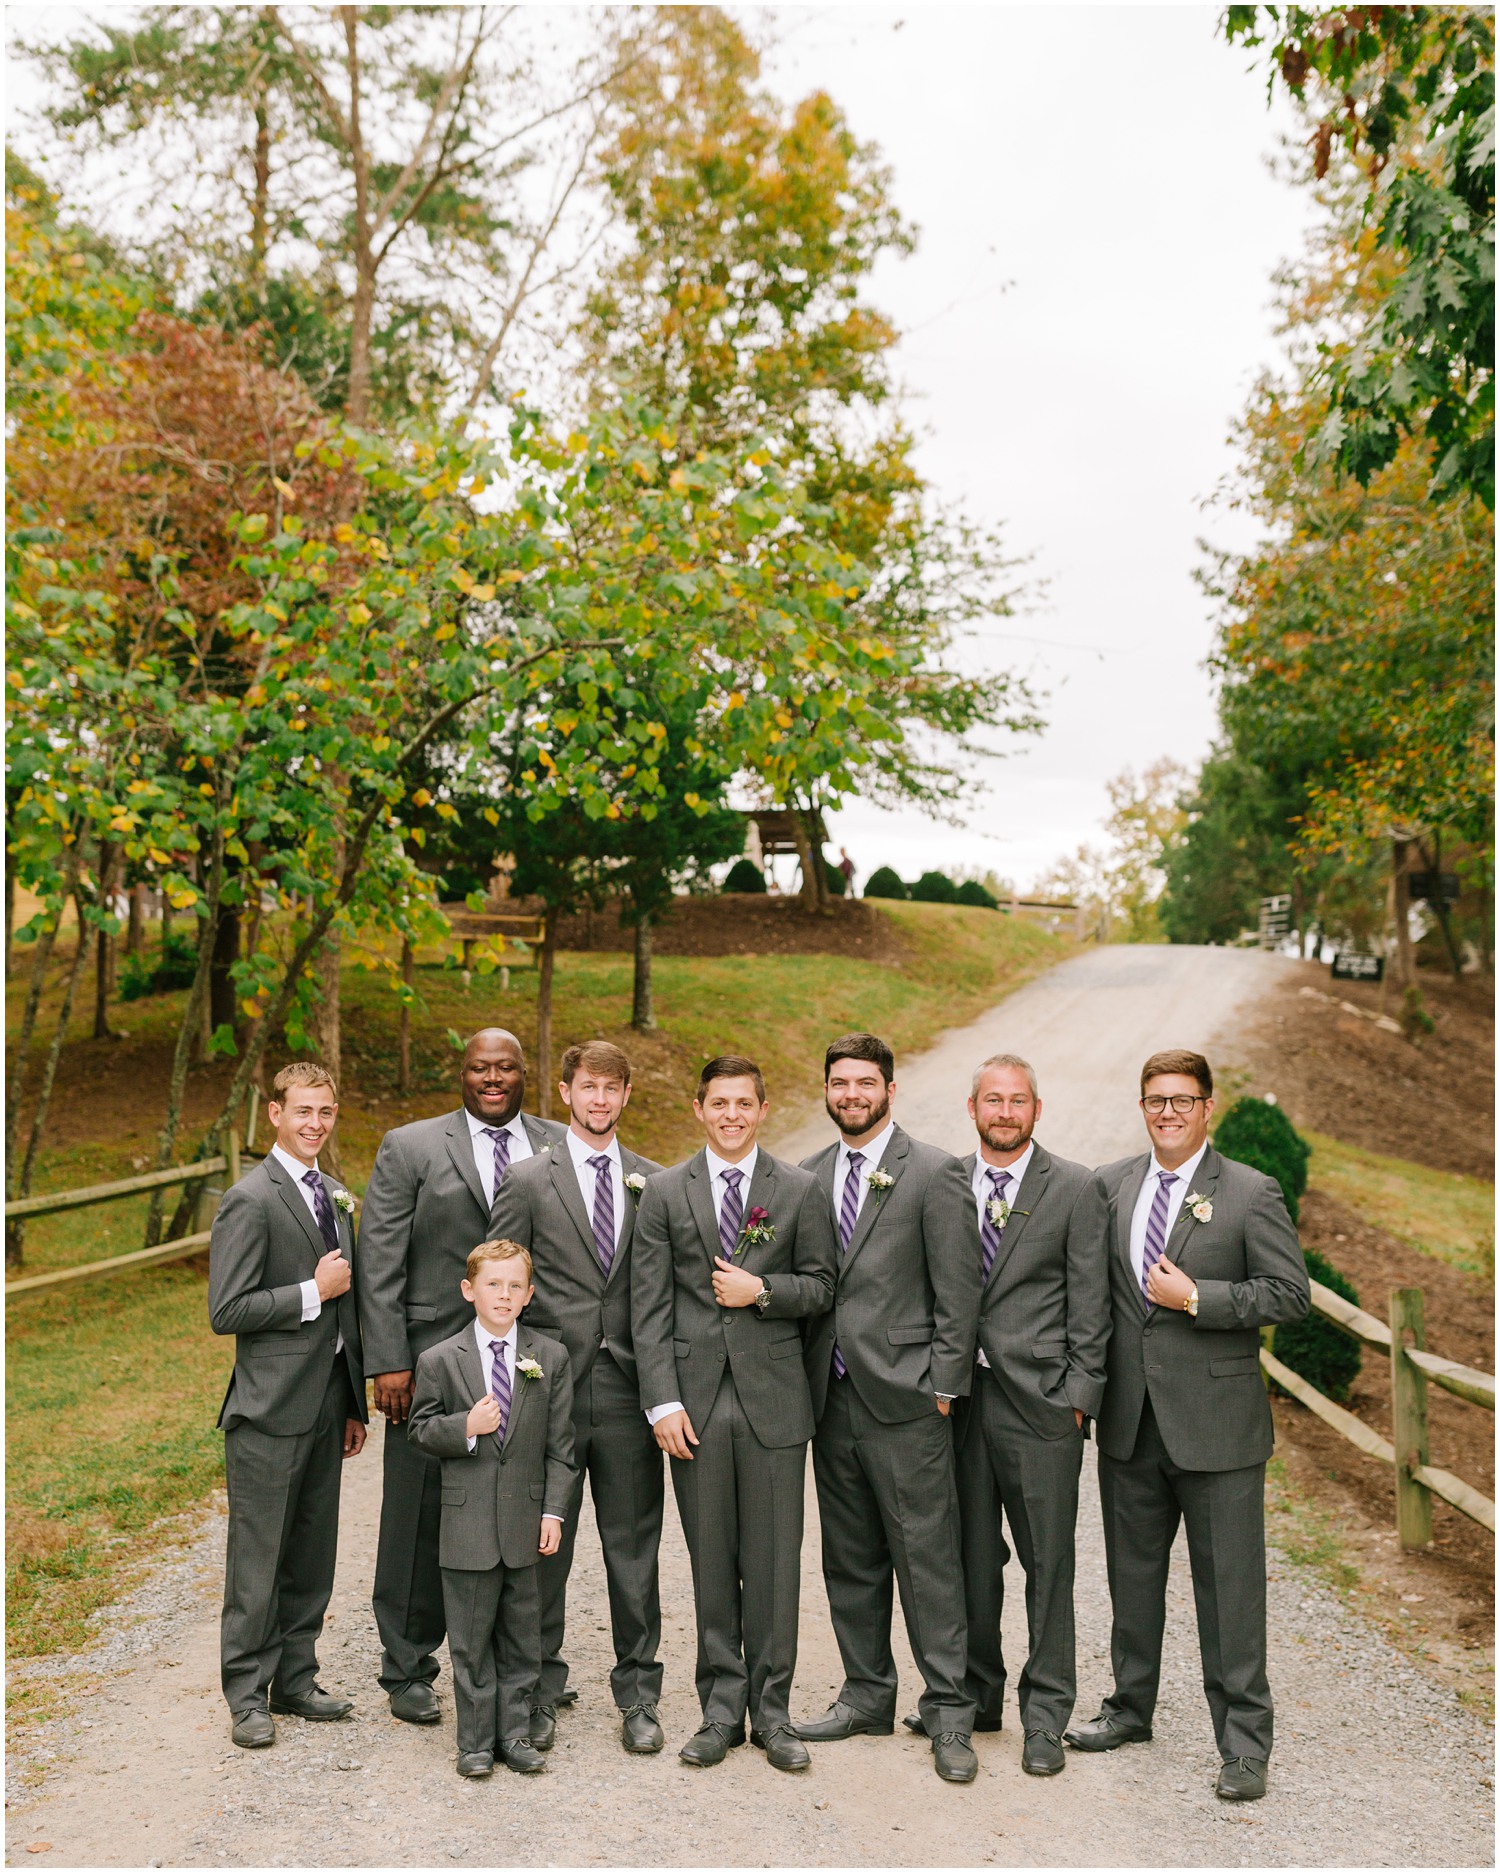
[[809, 890], [192, 1021], [1433, 861], [544, 1016], [403, 1045], [226, 953], [362, 305], [10, 909], [1406, 972], [166, 927], [21, 1046], [15, 1232], [135, 930], [103, 942], [642, 1011]]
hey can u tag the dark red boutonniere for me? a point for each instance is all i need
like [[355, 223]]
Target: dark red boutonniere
[[758, 1229]]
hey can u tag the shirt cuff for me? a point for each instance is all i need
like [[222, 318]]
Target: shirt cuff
[[473, 1442], [312, 1301], [658, 1412], [945, 1398]]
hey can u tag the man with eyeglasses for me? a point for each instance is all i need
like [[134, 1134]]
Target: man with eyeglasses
[[1203, 1256]]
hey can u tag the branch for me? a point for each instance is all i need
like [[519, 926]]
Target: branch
[[457, 76]]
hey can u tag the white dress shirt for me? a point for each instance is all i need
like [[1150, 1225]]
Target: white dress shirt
[[581, 1150], [873, 1152], [312, 1301], [716, 1169], [1176, 1193], [484, 1149], [984, 1190]]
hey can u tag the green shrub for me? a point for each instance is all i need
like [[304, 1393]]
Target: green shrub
[[745, 875], [1314, 1347], [971, 891], [1260, 1134], [838, 884], [935, 887], [885, 883], [143, 974]]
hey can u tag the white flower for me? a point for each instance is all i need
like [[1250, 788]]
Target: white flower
[[635, 1183], [998, 1212], [529, 1369], [343, 1201], [1201, 1207], [880, 1180]]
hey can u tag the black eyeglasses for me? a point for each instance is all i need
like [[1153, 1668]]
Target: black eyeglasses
[[1182, 1103]]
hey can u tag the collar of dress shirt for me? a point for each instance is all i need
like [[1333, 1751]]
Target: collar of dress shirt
[[873, 1151], [982, 1169], [717, 1165], [1187, 1172], [581, 1150], [483, 1335], [478, 1127], [294, 1167]]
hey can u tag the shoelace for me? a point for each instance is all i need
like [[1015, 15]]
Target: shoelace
[[639, 1710], [1051, 1736], [950, 1736]]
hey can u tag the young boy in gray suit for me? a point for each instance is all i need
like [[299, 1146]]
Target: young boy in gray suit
[[495, 1403]]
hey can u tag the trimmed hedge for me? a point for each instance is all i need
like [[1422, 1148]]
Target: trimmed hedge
[[885, 883], [935, 887], [745, 875], [838, 884], [1314, 1347], [1261, 1135], [142, 974], [971, 891]]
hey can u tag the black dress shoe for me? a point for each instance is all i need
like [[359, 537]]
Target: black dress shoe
[[840, 1720], [415, 1703], [516, 1753], [315, 1705], [1105, 1732], [541, 1731], [1242, 1778], [253, 1729], [918, 1728], [783, 1749], [953, 1757], [1042, 1753], [640, 1731], [710, 1745], [476, 1763], [564, 1699]]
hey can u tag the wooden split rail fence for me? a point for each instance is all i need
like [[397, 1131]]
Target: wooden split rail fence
[[177, 1250], [1413, 1368]]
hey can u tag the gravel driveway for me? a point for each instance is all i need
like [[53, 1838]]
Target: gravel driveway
[[1375, 1765]]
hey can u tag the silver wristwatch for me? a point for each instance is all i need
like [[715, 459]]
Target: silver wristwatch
[[762, 1300]]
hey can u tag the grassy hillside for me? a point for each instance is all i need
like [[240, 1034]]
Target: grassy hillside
[[129, 1366]]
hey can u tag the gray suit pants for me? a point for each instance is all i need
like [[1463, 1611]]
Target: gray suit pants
[[624, 1465], [1004, 1464], [1144, 1499], [741, 1510], [494, 1646], [283, 1544], [889, 1513], [408, 1596]]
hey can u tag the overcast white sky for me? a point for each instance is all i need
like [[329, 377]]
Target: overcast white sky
[[1088, 305], [1109, 162]]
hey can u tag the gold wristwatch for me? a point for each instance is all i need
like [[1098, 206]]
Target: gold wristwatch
[[1192, 1302]]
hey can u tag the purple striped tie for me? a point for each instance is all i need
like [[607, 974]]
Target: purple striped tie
[[604, 1211], [328, 1227], [990, 1231], [730, 1214], [500, 1385], [502, 1154], [1156, 1229], [848, 1215]]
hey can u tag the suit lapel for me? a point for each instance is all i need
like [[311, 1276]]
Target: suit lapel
[[701, 1202], [470, 1367], [1126, 1198], [761, 1194], [537, 1134], [1032, 1189], [892, 1164], [520, 1385], [1181, 1238], [297, 1204], [565, 1183], [461, 1150], [629, 1165]]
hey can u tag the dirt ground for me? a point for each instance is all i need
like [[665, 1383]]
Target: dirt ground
[[742, 923]]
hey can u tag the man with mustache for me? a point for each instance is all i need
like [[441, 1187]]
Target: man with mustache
[[1038, 1239], [428, 1204], [885, 1367]]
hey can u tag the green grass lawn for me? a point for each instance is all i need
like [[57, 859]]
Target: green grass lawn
[[1438, 1212], [112, 1388]]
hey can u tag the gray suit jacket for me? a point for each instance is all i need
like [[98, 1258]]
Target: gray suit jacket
[[423, 1211], [684, 1339], [1044, 1314], [540, 1205], [1203, 1374], [265, 1244], [908, 1285], [494, 1496]]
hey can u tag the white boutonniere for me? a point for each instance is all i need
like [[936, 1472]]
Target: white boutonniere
[[542, 1150], [342, 1200], [879, 1182], [1201, 1207], [529, 1369], [635, 1184], [998, 1211]]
